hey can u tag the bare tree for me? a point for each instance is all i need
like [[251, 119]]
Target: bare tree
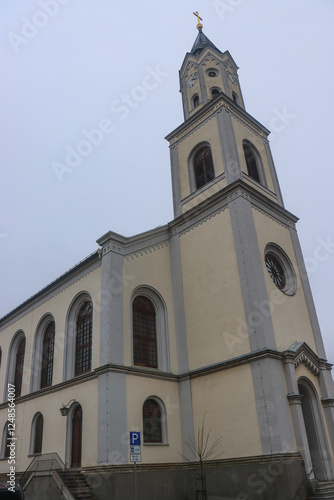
[[202, 451]]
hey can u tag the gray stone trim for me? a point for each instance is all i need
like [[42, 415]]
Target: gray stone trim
[[111, 308], [222, 197], [258, 185], [112, 419], [176, 187], [294, 399], [308, 296], [198, 192], [228, 145], [250, 264], [187, 418], [201, 78], [273, 173], [303, 358], [210, 108], [72, 276], [327, 402], [178, 303], [273, 412]]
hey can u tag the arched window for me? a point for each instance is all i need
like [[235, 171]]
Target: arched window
[[37, 432], [47, 355], [215, 92], [152, 420], [195, 101], [203, 167], [83, 351], [235, 97], [0, 356], [251, 162], [5, 450], [144, 332], [18, 374]]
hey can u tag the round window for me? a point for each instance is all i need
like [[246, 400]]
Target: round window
[[275, 270], [212, 73], [280, 269]]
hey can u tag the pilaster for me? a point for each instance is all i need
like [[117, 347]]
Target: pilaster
[[186, 408]]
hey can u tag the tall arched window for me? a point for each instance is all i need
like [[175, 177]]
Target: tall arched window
[[38, 437], [203, 166], [144, 332], [152, 419], [47, 355], [195, 101], [18, 374], [83, 351], [251, 162]]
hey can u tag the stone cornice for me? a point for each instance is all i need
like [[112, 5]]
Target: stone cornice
[[150, 373], [300, 353], [208, 111], [294, 399], [327, 402]]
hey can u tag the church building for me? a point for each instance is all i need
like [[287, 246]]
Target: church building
[[201, 330]]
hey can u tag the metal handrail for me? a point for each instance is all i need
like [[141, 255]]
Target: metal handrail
[[52, 459]]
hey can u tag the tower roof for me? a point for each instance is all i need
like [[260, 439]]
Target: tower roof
[[201, 42]]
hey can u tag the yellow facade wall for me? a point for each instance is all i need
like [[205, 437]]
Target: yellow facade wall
[[138, 390], [289, 314], [229, 411], [212, 293], [58, 307], [151, 269], [55, 441]]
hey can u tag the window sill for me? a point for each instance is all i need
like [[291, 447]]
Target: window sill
[[155, 444]]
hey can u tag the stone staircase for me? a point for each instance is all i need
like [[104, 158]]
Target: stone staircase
[[324, 491], [76, 484]]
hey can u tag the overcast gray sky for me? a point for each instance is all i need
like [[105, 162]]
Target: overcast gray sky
[[70, 66]]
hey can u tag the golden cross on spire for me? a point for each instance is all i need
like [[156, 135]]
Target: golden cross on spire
[[199, 25]]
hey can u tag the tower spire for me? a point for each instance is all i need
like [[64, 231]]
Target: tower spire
[[199, 25]]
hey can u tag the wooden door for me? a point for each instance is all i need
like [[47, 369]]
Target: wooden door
[[76, 437]]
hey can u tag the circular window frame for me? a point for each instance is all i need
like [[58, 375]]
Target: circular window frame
[[212, 72], [290, 285]]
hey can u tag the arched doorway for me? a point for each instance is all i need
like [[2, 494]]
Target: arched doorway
[[315, 431], [76, 442]]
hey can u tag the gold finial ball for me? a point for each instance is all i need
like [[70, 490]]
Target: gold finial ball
[[199, 25]]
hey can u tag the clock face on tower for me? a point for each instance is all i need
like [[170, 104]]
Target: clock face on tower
[[192, 79], [232, 78]]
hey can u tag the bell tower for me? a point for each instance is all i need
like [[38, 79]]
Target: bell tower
[[219, 142], [248, 306]]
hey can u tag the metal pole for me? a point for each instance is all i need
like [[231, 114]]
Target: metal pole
[[135, 480]]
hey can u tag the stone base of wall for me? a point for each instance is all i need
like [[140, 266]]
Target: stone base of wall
[[274, 477]]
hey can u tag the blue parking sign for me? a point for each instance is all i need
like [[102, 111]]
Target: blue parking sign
[[134, 438]]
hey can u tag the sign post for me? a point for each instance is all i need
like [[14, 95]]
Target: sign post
[[135, 454]]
